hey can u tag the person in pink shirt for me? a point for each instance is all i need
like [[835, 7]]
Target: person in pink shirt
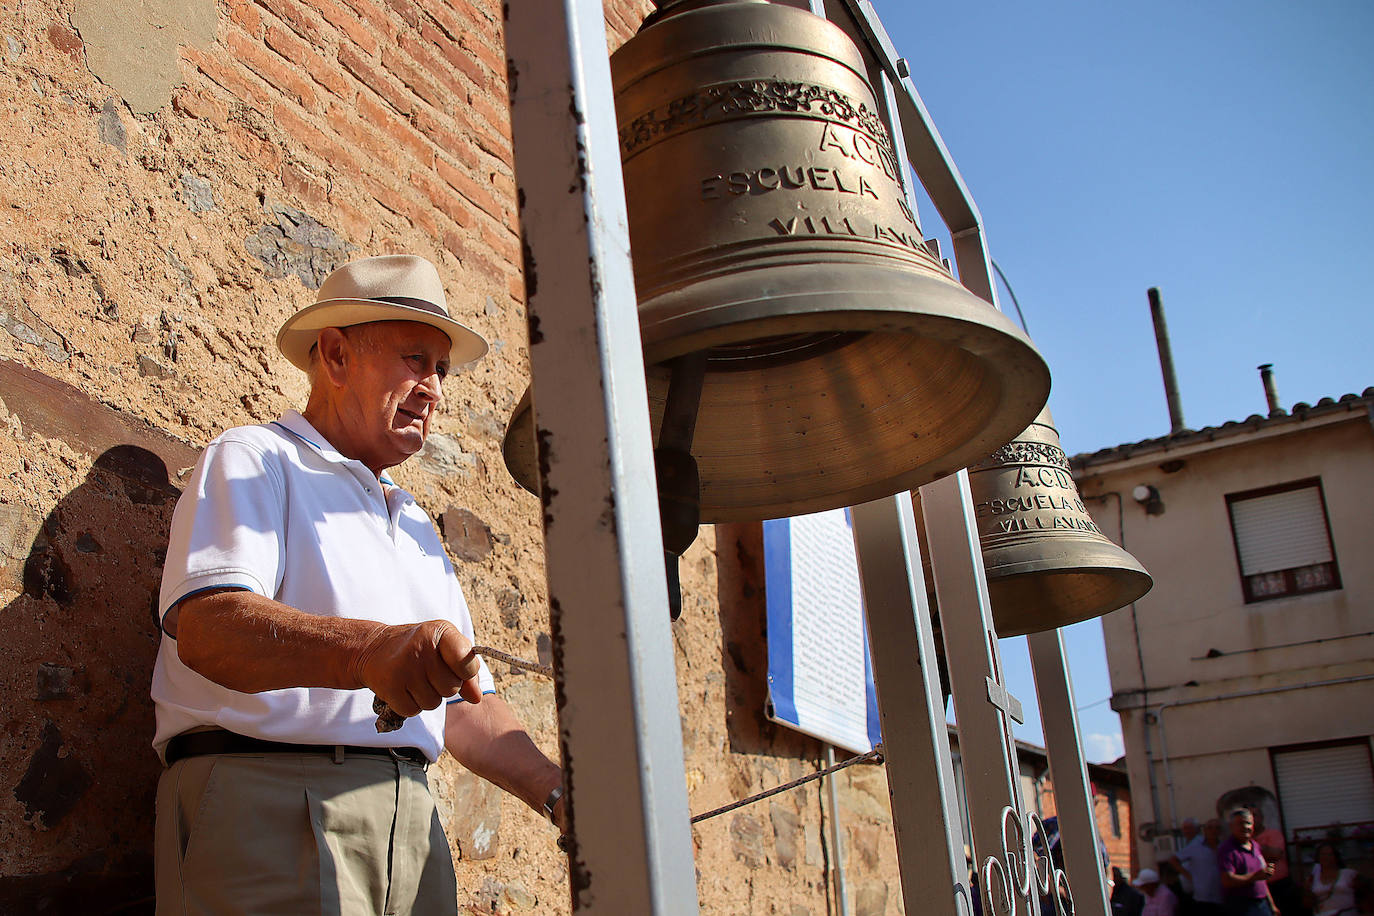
[[1159, 900], [1282, 887]]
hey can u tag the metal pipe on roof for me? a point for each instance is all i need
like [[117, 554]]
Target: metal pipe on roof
[[1166, 363], [1271, 390]]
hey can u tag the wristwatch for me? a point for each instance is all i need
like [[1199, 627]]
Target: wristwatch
[[551, 801]]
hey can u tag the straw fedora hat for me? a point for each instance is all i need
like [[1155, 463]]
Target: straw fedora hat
[[393, 287]]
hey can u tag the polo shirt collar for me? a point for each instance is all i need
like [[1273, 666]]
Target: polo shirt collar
[[300, 428]]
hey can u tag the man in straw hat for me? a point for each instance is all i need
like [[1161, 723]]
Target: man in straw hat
[[299, 582]]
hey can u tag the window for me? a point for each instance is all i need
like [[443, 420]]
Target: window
[[1115, 812], [1321, 785], [1283, 541]]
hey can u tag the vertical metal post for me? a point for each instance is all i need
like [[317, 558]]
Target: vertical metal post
[[887, 101], [836, 839], [616, 687], [1072, 793], [811, 6], [981, 703], [920, 773]]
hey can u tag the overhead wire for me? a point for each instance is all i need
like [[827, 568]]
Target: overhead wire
[[874, 756]]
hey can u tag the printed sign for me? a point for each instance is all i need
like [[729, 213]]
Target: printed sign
[[820, 678]]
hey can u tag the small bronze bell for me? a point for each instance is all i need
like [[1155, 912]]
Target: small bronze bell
[[772, 244], [1047, 563]]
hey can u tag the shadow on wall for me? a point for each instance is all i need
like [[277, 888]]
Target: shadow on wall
[[744, 644], [82, 637], [79, 773], [1254, 797]]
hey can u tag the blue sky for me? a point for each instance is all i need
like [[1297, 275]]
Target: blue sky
[[1219, 150]]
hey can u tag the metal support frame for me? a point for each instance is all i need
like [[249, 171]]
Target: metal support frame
[[608, 602], [986, 747], [981, 701], [1072, 792], [608, 596], [920, 773]]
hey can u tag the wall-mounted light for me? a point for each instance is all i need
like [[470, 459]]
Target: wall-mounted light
[[1148, 497]]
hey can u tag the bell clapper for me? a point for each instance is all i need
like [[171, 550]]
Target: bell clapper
[[679, 485]]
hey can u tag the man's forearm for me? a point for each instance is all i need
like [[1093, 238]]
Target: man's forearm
[[246, 642], [490, 741], [249, 643]]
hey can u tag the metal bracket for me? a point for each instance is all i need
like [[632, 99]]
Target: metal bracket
[[1001, 697]]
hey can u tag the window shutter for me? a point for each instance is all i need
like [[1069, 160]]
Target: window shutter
[[1325, 785], [1281, 531]]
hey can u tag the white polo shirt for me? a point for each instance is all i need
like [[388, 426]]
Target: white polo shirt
[[274, 509]]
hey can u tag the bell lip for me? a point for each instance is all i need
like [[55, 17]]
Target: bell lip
[[670, 327], [674, 322], [1079, 553], [519, 450], [1014, 615], [965, 321]]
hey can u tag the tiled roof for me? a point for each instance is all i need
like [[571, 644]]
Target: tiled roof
[[1299, 413]]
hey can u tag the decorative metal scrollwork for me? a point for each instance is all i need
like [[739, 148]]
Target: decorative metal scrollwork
[[1024, 872], [963, 902]]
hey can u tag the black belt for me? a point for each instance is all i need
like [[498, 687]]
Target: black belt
[[198, 744]]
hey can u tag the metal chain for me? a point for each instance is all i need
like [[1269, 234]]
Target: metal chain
[[875, 755]]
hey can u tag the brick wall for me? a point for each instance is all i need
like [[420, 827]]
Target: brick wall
[[1111, 810]]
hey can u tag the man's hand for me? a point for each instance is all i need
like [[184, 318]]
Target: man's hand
[[417, 666]]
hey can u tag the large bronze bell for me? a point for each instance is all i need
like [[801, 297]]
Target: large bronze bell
[[776, 259], [1047, 563]]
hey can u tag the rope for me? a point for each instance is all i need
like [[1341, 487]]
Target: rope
[[499, 656], [875, 755]]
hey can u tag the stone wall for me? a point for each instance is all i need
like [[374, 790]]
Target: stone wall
[[177, 178]]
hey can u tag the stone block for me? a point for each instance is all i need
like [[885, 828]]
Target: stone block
[[786, 829], [476, 806], [293, 243], [747, 840], [59, 682], [111, 128], [197, 193], [811, 834], [870, 899], [865, 793], [443, 455], [863, 844], [23, 323], [509, 603], [466, 535]]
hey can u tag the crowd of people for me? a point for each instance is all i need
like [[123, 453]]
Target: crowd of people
[[1239, 869]]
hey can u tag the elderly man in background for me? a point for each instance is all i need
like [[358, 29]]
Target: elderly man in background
[[1197, 862], [1190, 834], [1244, 873], [301, 581]]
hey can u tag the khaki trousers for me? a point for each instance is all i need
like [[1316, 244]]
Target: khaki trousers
[[298, 835]]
